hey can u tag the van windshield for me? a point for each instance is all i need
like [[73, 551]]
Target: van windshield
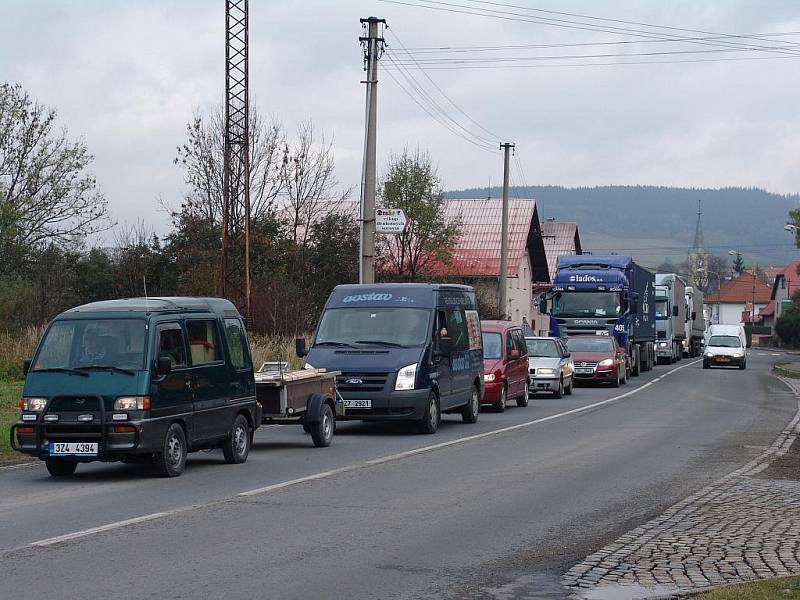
[[90, 344], [725, 341], [378, 326]]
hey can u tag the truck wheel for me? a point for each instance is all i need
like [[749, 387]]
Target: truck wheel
[[636, 368], [522, 401], [322, 431], [500, 405], [469, 413], [432, 417], [58, 467], [171, 461], [236, 446]]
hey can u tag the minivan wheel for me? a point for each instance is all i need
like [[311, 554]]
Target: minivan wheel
[[236, 446], [322, 430], [522, 401], [432, 417], [171, 461], [469, 413], [58, 467], [500, 405]]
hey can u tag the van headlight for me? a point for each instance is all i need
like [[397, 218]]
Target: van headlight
[[406, 378], [132, 403], [737, 355], [309, 366], [709, 355], [33, 404]]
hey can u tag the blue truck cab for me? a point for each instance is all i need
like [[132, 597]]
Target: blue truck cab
[[406, 352], [605, 295]]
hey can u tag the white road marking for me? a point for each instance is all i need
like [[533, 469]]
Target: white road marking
[[79, 534], [369, 463], [776, 354]]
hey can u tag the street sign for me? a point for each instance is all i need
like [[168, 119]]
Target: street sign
[[390, 220]]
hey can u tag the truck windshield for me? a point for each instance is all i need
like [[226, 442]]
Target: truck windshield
[[379, 326], [581, 304], [662, 308], [91, 344]]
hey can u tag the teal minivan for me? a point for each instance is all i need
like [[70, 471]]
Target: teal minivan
[[144, 379]]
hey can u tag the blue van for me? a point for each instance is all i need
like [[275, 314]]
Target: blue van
[[406, 351], [144, 379]]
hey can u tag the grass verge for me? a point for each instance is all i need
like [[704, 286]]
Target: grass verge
[[787, 588], [783, 370], [10, 392]]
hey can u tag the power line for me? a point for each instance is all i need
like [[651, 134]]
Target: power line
[[570, 24]]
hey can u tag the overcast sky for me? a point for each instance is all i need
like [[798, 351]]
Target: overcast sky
[[126, 75]]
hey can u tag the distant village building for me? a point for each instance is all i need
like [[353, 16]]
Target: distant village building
[[785, 285], [731, 303]]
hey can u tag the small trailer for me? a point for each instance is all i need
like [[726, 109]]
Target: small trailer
[[307, 397]]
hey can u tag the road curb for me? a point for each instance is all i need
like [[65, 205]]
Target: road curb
[[783, 370]]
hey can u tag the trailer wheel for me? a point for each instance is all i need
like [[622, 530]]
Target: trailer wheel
[[322, 430]]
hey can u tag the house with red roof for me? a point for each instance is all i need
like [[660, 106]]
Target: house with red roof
[[476, 257], [732, 303], [560, 239], [786, 284]]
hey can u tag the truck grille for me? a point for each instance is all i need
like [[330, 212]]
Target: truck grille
[[370, 382]]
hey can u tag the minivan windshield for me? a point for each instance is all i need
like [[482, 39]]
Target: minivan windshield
[[93, 344], [542, 348], [599, 344], [725, 341], [581, 304], [373, 326]]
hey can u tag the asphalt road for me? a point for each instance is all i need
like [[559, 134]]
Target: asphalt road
[[384, 513]]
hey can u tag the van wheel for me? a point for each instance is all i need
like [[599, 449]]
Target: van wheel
[[236, 446], [171, 461], [58, 467], [522, 401], [432, 417], [469, 413], [322, 430], [743, 366], [500, 405]]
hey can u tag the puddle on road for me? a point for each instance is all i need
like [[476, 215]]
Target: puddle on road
[[626, 592]]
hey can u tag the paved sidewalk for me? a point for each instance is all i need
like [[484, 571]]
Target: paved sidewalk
[[745, 526]]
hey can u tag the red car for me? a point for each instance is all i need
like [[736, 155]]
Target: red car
[[598, 359], [505, 364]]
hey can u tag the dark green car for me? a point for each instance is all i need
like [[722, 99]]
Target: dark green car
[[145, 379]]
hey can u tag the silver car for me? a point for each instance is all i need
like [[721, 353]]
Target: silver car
[[550, 366]]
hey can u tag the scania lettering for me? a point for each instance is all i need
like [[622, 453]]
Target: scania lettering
[[605, 295]]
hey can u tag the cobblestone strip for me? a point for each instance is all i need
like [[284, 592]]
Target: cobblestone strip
[[736, 529]]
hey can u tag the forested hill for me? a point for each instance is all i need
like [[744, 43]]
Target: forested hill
[[652, 222]]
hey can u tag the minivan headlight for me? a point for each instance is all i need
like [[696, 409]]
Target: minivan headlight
[[132, 403], [406, 378], [33, 404]]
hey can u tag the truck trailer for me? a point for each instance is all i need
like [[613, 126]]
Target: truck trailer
[[671, 317], [605, 295], [695, 323]]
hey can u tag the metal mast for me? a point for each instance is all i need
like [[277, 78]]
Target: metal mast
[[235, 268]]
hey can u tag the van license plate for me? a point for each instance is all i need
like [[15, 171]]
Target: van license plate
[[358, 403], [73, 448]]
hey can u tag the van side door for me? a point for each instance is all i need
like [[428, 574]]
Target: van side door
[[210, 378], [460, 360], [440, 359], [521, 362], [242, 387], [171, 394]]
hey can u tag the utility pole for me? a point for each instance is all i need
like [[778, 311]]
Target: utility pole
[[373, 48], [506, 147]]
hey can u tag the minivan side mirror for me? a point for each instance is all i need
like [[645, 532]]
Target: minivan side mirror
[[26, 366], [163, 365], [543, 304], [300, 347], [675, 311]]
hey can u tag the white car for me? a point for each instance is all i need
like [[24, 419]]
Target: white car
[[725, 351]]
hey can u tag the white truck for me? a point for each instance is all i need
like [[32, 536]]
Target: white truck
[[695, 323], [670, 317]]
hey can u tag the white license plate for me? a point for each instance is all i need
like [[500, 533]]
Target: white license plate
[[358, 403], [584, 370], [73, 448]]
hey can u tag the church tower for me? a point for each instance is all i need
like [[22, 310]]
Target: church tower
[[698, 255]]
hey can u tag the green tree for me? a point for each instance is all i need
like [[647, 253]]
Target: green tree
[[412, 184], [738, 264]]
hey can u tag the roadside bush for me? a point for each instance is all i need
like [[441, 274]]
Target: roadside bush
[[788, 327], [15, 346]]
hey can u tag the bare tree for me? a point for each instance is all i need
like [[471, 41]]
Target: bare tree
[[412, 184], [46, 194], [202, 158], [310, 188]]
